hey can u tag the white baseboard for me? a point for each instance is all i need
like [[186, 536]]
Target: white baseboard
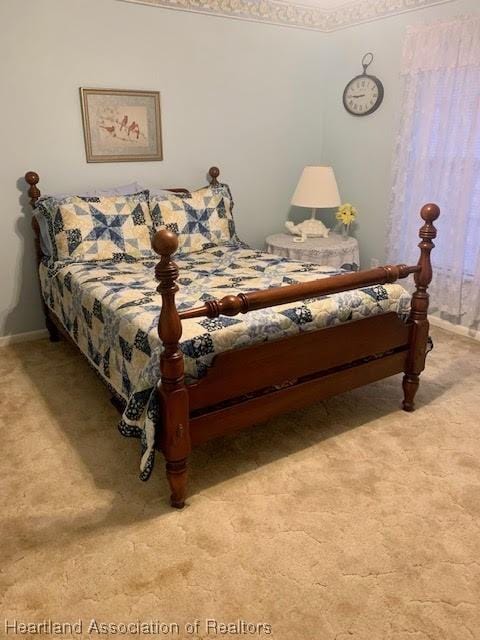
[[23, 337], [459, 329]]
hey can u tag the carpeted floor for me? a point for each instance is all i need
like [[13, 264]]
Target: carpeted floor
[[347, 520]]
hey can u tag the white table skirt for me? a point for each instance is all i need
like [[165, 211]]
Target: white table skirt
[[334, 251]]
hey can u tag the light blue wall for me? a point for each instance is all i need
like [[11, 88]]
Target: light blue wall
[[361, 148], [242, 95]]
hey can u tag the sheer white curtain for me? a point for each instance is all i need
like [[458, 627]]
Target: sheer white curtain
[[437, 159]]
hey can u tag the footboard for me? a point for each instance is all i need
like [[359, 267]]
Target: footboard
[[252, 384], [289, 360]]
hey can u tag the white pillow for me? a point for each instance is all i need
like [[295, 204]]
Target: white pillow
[[122, 190]]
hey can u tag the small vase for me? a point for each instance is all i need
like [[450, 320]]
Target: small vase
[[345, 228]]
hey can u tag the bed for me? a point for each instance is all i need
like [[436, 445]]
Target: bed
[[173, 340]]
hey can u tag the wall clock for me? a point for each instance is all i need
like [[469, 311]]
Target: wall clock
[[364, 93]]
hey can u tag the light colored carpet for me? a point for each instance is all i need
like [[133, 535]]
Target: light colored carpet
[[347, 520]]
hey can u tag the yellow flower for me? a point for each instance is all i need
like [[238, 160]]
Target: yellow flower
[[346, 213]]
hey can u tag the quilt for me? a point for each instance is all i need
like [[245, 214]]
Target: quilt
[[111, 308]]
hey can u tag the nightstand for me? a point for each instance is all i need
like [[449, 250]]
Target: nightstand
[[334, 251]]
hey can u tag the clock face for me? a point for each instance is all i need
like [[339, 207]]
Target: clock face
[[363, 95]]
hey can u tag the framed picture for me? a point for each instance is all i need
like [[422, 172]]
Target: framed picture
[[121, 126]]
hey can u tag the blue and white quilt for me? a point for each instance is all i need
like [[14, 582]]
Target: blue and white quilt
[[111, 310]]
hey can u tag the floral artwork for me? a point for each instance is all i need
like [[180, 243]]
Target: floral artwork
[[121, 125]]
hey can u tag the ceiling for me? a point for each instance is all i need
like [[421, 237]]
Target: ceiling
[[318, 15]]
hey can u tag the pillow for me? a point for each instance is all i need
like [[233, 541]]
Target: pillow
[[201, 219], [122, 190], [98, 227]]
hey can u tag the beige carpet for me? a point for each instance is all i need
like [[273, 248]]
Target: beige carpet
[[349, 520]]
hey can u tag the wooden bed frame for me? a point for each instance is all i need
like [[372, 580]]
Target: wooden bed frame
[[316, 364]]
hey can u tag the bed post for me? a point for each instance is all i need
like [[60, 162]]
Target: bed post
[[419, 308], [213, 174], [174, 430], [32, 178]]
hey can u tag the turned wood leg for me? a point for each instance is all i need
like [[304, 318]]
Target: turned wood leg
[[173, 428], [177, 478], [53, 332], [410, 385]]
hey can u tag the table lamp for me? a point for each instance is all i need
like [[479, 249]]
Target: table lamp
[[316, 189]]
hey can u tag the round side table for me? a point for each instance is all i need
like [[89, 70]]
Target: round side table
[[333, 251]]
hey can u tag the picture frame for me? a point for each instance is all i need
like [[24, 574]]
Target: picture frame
[[121, 125]]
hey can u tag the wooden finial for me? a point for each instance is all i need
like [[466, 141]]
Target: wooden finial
[[34, 194], [174, 429], [430, 212], [214, 172], [32, 178], [419, 307], [165, 242]]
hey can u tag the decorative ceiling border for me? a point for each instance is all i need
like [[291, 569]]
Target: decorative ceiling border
[[296, 14]]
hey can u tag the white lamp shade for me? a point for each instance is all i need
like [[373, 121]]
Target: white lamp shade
[[317, 189]]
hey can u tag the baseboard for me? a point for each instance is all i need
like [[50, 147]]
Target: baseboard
[[459, 329], [23, 337]]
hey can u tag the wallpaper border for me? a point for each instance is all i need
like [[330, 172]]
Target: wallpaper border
[[295, 14]]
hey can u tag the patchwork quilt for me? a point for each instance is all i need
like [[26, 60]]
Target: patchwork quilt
[[111, 308], [200, 219], [81, 228]]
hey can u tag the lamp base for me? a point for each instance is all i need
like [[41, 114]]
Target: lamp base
[[311, 228]]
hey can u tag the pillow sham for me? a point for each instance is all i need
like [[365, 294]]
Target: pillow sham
[[201, 218], [98, 227], [121, 190]]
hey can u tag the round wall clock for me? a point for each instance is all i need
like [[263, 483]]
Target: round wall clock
[[364, 93]]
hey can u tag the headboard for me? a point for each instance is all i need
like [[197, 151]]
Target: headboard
[[32, 179]]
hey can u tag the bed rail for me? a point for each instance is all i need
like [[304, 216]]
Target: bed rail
[[232, 305]]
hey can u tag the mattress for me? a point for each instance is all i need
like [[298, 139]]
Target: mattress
[[111, 311]]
